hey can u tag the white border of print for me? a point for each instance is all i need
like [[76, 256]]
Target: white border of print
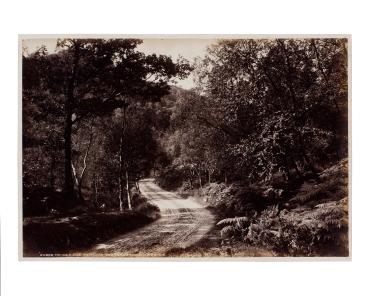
[[184, 278]]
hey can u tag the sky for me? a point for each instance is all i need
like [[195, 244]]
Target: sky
[[189, 48]]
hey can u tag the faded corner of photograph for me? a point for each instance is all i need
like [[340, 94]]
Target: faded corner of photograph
[[188, 147]]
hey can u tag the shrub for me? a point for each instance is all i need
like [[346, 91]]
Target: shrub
[[235, 200], [170, 178], [143, 206]]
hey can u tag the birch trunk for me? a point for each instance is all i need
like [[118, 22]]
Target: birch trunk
[[75, 175], [85, 163], [128, 191]]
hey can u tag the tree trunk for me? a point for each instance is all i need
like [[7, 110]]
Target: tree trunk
[[128, 190], [191, 183], [121, 163], [120, 181], [69, 105], [77, 183], [200, 183], [85, 163], [96, 193], [68, 178]]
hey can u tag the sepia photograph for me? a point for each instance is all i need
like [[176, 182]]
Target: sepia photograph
[[201, 146]]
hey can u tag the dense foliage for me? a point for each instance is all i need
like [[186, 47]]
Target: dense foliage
[[313, 222], [88, 131], [263, 108]]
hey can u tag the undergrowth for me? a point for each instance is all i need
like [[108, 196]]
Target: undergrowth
[[313, 221]]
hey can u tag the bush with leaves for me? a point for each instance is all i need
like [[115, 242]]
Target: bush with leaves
[[170, 178]]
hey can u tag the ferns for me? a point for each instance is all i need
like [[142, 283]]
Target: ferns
[[233, 228], [233, 221], [314, 222], [228, 232], [305, 232], [334, 186], [271, 211]]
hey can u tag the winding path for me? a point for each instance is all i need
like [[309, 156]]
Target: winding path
[[183, 222]]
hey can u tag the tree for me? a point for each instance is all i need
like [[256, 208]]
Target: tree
[[280, 104], [95, 77]]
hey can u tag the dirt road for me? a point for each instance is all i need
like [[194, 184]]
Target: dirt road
[[183, 222]]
